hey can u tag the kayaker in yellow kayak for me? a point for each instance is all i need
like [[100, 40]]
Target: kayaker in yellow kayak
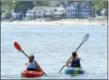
[[74, 61], [33, 65]]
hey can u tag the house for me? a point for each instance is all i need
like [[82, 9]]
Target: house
[[45, 11], [86, 10], [36, 12], [49, 11], [71, 11], [17, 15], [30, 14], [78, 9], [39, 12], [59, 11]]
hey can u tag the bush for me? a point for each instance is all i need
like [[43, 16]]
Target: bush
[[7, 15]]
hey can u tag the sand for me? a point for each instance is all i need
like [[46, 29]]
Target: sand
[[61, 22]]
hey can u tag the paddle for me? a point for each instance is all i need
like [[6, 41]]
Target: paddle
[[86, 37], [17, 46]]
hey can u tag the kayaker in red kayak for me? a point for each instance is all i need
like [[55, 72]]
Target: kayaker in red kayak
[[74, 61], [33, 65]]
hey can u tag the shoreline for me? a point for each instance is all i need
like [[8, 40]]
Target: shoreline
[[60, 22]]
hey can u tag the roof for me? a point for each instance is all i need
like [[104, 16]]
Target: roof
[[80, 5], [43, 8], [87, 5]]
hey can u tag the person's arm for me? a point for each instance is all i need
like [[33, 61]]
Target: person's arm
[[69, 61], [26, 63], [39, 68], [78, 56]]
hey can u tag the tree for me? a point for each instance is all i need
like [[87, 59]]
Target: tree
[[99, 5], [23, 6], [42, 3], [6, 7]]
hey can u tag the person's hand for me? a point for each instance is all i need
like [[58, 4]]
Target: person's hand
[[65, 65], [26, 63]]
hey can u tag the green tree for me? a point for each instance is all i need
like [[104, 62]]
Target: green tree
[[99, 5], [6, 7], [23, 6], [42, 3]]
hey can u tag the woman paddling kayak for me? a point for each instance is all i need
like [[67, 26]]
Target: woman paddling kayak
[[74, 61], [33, 65]]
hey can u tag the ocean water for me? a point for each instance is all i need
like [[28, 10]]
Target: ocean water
[[52, 45]]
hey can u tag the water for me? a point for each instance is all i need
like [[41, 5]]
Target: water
[[52, 45]]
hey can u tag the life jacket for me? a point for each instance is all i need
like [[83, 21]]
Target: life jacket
[[75, 62], [32, 65]]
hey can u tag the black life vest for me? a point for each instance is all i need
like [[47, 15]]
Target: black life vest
[[75, 62]]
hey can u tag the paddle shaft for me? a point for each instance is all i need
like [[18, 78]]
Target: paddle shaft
[[61, 68], [79, 46], [25, 54]]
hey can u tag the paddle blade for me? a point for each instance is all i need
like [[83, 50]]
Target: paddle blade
[[86, 37], [17, 46]]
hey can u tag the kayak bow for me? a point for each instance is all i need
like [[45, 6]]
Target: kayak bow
[[27, 73], [74, 71]]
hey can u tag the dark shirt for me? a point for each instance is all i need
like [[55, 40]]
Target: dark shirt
[[75, 62]]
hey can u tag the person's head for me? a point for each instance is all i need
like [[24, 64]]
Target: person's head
[[31, 58], [74, 54]]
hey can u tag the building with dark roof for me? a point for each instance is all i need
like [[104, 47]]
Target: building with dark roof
[[79, 9]]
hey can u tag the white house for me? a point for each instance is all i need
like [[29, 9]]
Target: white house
[[39, 11], [59, 11], [49, 11], [30, 14], [45, 11]]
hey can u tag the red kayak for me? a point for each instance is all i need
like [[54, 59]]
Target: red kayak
[[27, 73]]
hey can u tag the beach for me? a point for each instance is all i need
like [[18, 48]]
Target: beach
[[60, 22]]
